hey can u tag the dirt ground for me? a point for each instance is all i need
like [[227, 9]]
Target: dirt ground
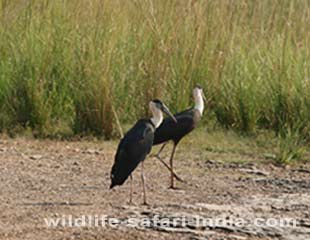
[[44, 179]]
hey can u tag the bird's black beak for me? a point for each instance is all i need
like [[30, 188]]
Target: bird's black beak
[[167, 111]]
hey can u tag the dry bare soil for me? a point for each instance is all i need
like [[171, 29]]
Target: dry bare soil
[[43, 179]]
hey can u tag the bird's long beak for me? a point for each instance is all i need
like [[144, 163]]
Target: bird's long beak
[[166, 110]]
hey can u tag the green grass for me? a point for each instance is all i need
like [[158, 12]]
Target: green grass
[[66, 65], [221, 145]]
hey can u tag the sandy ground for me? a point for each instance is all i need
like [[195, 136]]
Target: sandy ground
[[44, 179]]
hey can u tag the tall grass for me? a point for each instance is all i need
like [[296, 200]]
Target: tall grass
[[66, 65]]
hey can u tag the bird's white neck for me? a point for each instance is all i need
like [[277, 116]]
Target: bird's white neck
[[157, 117], [199, 104]]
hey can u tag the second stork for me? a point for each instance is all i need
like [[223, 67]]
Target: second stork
[[170, 130]]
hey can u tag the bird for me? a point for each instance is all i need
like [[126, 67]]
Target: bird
[[170, 131], [136, 145]]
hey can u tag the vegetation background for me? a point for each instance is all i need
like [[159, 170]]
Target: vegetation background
[[79, 67]]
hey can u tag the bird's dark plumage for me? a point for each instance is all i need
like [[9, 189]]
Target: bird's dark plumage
[[169, 130], [174, 131], [132, 149]]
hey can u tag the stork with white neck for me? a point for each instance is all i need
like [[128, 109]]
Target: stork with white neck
[[172, 131]]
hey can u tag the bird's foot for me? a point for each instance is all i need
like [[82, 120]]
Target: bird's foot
[[172, 187], [145, 203], [179, 179]]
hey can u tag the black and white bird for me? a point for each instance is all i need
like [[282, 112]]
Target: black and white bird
[[136, 145], [171, 131]]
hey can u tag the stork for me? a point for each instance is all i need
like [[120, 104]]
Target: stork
[[171, 131], [136, 145]]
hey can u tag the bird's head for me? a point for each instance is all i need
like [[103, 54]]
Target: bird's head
[[157, 105]]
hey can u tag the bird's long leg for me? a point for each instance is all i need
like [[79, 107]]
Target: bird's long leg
[[170, 170], [165, 164], [130, 196], [171, 167], [161, 149], [143, 184]]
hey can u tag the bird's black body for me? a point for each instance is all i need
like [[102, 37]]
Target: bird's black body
[[170, 130], [175, 131], [132, 149]]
